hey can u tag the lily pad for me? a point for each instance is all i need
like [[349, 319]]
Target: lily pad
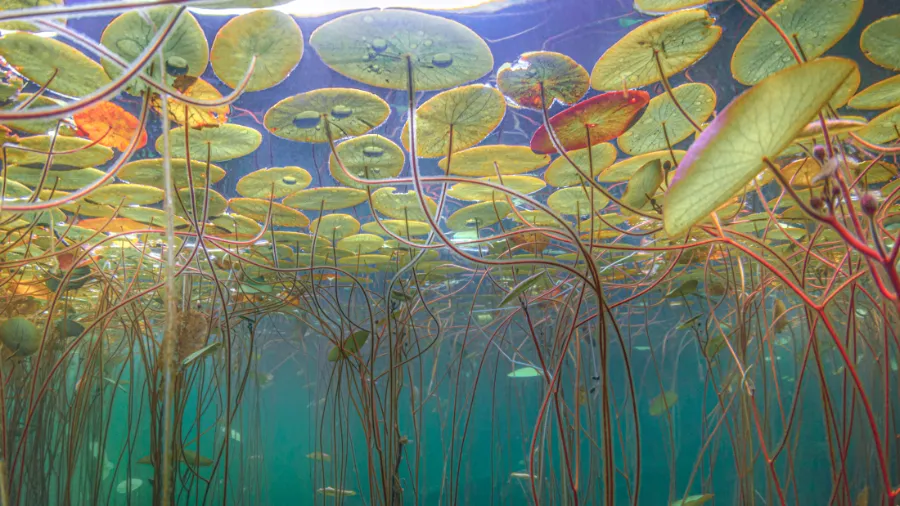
[[664, 6], [367, 157], [44, 60], [597, 119], [816, 24], [258, 209], [479, 193], [191, 115], [334, 227], [881, 95], [469, 112], [625, 169], [150, 172], [326, 198], [275, 182], [349, 112], [525, 372], [563, 80], [186, 50], [478, 216], [593, 161], [127, 194], [110, 125], [882, 128], [220, 143], [662, 125], [59, 179], [680, 38], [643, 185], [272, 37], [758, 124], [67, 151], [880, 42], [372, 47], [24, 26], [402, 228], [401, 206], [662, 403], [577, 201], [349, 346], [693, 500], [487, 160]]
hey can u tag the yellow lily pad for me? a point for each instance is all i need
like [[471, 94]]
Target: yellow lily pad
[[562, 173], [480, 193], [68, 151], [758, 124], [282, 215], [470, 112], [191, 115], [221, 143], [401, 206], [59, 179], [577, 201], [478, 216], [664, 6], [366, 157], [882, 128], [680, 38], [662, 120], [272, 37], [487, 160], [275, 183], [150, 172], [880, 42], [334, 227], [127, 194], [361, 244], [625, 169], [326, 198], [816, 24], [184, 207], [44, 60], [402, 228], [881, 95]]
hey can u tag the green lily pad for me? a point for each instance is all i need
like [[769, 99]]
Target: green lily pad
[[664, 6], [643, 185], [478, 216], [487, 160], [881, 95], [25, 26], [275, 182], [186, 50], [401, 206], [258, 209], [372, 46], [758, 124], [366, 157], [880, 42], [817, 24], [662, 119], [150, 172], [563, 80], [882, 128], [79, 154], [41, 59], [480, 193], [577, 200], [349, 112], [36, 126], [694, 500], [59, 179], [625, 169], [271, 36], [662, 403], [220, 143], [525, 372], [562, 173], [349, 346], [326, 198], [680, 38], [470, 112]]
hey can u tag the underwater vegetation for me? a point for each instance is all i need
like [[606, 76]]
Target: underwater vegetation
[[464, 280]]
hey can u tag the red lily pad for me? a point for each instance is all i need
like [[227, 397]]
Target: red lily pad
[[113, 126], [606, 116]]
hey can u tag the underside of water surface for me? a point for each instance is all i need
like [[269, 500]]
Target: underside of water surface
[[449, 252]]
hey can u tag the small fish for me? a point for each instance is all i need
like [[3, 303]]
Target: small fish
[[628, 22], [320, 456], [520, 475], [335, 492]]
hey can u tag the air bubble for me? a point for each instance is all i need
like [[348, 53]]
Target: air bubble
[[442, 60], [341, 111], [306, 119]]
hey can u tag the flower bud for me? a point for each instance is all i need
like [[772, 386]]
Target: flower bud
[[869, 204], [816, 203], [819, 153]]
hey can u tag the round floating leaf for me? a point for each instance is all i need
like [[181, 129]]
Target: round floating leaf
[[695, 500], [46, 60], [846, 90], [220, 143], [110, 125], [282, 216], [150, 216], [662, 403], [183, 206], [127, 194], [643, 185], [577, 201], [525, 372], [367, 157], [59, 179], [326, 198], [236, 226], [273, 183], [35, 126], [662, 119], [372, 47], [401, 206], [680, 38], [68, 151], [20, 336], [361, 243], [150, 172], [348, 347], [470, 112], [562, 173], [562, 78], [758, 124], [480, 193], [664, 6], [477, 216], [195, 117], [186, 50], [597, 119], [486, 160], [883, 128], [880, 42], [334, 227], [80, 207], [349, 112], [271, 36], [13, 189], [881, 95], [24, 26], [816, 24], [402, 228]]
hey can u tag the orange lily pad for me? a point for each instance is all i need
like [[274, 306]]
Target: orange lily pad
[[113, 126], [605, 116], [117, 225]]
